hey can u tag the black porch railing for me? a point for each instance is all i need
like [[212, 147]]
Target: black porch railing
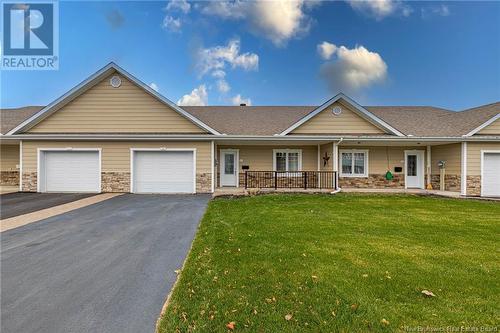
[[293, 179]]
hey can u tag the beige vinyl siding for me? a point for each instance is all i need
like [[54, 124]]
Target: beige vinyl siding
[[116, 155], [326, 149], [126, 109], [474, 156], [9, 157], [346, 123], [383, 159], [493, 128], [260, 158], [450, 153]]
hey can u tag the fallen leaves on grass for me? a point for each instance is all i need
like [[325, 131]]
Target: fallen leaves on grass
[[384, 322], [354, 307], [231, 325], [288, 317], [428, 293]]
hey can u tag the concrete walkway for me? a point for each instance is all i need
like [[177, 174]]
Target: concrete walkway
[[20, 220], [233, 191]]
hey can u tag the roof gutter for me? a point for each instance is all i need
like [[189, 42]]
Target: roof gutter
[[205, 137]]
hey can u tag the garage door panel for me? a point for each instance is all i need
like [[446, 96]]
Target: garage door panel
[[70, 171], [491, 174], [163, 172]]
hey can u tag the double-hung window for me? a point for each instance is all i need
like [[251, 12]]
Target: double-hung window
[[353, 163], [287, 160]]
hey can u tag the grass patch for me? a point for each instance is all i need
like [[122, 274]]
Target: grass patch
[[348, 262]]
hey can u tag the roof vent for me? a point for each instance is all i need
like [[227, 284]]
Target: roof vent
[[115, 81], [243, 104]]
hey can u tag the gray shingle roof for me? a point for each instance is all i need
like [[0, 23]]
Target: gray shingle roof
[[269, 120], [10, 118]]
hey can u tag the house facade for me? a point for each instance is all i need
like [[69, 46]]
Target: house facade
[[113, 133]]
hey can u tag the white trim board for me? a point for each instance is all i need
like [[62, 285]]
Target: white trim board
[[89, 83], [483, 125], [361, 111], [41, 150], [133, 150], [463, 171]]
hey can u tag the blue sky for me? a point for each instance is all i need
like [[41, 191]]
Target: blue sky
[[444, 54]]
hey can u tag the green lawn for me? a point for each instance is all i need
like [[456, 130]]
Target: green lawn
[[345, 262]]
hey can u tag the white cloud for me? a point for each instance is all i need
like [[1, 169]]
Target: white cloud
[[197, 97], [216, 58], [381, 8], [178, 5], [219, 74], [326, 50], [442, 10], [225, 9], [353, 69], [171, 24], [223, 86], [278, 20], [237, 100], [154, 86]]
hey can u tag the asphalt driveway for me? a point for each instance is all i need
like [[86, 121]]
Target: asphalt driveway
[[14, 204], [106, 267]]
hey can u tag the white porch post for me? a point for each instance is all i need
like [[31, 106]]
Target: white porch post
[[319, 157], [335, 156], [429, 166], [21, 166], [463, 174], [212, 145]]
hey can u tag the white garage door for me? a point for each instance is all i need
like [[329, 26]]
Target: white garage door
[[70, 171], [164, 172], [491, 175]]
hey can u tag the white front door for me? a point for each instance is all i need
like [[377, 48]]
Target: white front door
[[229, 168], [414, 168]]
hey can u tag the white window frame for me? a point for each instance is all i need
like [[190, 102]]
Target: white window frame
[[287, 151], [352, 151]]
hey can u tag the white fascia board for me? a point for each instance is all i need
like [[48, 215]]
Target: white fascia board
[[483, 125], [46, 111], [363, 112]]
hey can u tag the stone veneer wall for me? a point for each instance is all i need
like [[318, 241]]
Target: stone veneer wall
[[115, 181], [203, 183], [474, 185], [10, 178], [29, 181], [372, 181], [451, 182]]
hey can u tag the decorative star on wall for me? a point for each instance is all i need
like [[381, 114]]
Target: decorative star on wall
[[326, 158]]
